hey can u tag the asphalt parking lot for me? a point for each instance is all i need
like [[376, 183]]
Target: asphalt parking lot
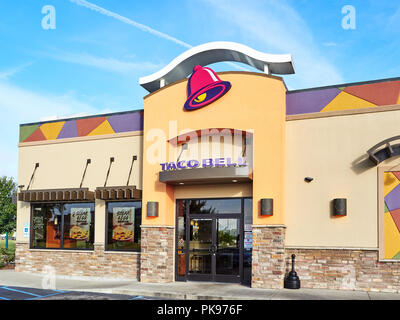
[[23, 293]]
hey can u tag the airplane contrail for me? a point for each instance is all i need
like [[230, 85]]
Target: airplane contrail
[[140, 26]]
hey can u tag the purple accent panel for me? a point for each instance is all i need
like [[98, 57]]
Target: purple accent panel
[[393, 199], [126, 122], [309, 101], [68, 130]]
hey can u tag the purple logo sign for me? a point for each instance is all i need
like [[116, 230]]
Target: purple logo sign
[[204, 163], [204, 87]]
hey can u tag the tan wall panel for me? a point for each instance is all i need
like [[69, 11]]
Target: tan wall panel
[[100, 222], [62, 165], [23, 216], [328, 150], [214, 191]]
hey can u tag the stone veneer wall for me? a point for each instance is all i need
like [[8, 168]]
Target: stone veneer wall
[[94, 263], [268, 257], [344, 269], [157, 255], [340, 268]]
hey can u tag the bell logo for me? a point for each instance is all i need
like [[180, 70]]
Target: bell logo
[[204, 87]]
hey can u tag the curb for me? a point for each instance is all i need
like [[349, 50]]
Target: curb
[[166, 295]]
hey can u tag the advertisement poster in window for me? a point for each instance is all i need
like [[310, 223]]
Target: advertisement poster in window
[[123, 224], [79, 225], [38, 227]]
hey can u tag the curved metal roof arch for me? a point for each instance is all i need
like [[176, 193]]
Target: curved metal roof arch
[[182, 66]]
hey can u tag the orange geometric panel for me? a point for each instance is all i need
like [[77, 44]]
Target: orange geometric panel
[[36, 136], [104, 128], [52, 130], [381, 94], [396, 218], [396, 174], [85, 126], [346, 101]]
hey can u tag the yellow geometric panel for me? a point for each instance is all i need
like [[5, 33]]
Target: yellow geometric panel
[[390, 182], [345, 101], [103, 128], [52, 130], [392, 237], [398, 100]]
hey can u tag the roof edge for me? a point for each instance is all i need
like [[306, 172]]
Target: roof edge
[[78, 118], [350, 84]]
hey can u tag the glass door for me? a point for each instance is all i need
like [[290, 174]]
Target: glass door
[[210, 237], [214, 252], [201, 247], [227, 254]]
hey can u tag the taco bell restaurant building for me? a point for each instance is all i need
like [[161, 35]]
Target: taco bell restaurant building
[[220, 178]]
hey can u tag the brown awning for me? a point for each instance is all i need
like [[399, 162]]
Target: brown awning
[[118, 193], [73, 194]]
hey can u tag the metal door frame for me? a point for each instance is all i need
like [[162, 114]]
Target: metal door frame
[[213, 276]]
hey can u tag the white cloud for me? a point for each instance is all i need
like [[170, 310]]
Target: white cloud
[[107, 64], [18, 106], [26, 105], [143, 27], [6, 74], [276, 26], [330, 44]]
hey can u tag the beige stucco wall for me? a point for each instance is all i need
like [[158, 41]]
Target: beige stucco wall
[[61, 165], [332, 150], [214, 191]]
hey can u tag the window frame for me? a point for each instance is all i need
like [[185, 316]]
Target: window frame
[[32, 204], [205, 216], [106, 227]]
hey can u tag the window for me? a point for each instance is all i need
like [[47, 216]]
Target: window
[[123, 225], [210, 206], [63, 225]]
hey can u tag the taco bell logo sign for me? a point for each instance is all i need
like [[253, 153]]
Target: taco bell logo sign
[[203, 163], [204, 87]]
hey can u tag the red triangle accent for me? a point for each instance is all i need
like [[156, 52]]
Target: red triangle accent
[[397, 174], [381, 94], [37, 135], [85, 126], [396, 218]]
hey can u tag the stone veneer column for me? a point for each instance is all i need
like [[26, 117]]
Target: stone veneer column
[[157, 255], [268, 257]]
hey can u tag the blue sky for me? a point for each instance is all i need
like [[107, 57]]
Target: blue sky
[[91, 62]]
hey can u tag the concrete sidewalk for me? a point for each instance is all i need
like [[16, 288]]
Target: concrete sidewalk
[[185, 290]]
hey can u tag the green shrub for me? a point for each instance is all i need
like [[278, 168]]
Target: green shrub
[[6, 257]]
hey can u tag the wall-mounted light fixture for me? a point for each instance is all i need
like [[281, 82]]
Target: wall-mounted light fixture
[[152, 209], [267, 207], [308, 179], [340, 207]]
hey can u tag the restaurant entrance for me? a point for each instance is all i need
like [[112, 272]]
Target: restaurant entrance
[[210, 240]]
